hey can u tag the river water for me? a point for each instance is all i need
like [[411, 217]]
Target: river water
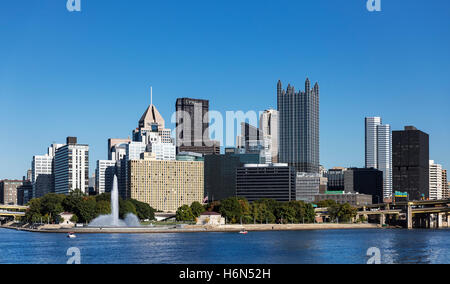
[[318, 246]]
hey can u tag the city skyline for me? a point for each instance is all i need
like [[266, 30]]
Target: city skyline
[[385, 81]]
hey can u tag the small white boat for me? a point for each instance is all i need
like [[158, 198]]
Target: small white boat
[[243, 232], [71, 236]]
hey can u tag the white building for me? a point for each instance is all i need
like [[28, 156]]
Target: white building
[[379, 151], [268, 124], [104, 175], [134, 150], [435, 181], [372, 141], [71, 167], [42, 172], [384, 159]]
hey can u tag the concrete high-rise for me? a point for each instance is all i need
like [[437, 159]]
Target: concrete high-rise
[[166, 185], [410, 159], [268, 124], [378, 145], [299, 127], [435, 181], [192, 127], [71, 167]]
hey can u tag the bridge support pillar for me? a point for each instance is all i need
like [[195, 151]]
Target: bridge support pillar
[[382, 219], [439, 219], [409, 218]]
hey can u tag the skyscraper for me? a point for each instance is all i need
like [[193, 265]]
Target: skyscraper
[[435, 181], [71, 167], [372, 124], [268, 124], [379, 151], [192, 127], [410, 159], [299, 127]]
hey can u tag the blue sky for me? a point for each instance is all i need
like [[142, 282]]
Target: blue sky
[[88, 74]]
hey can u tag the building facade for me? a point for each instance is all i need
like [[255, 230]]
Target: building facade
[[262, 181], [307, 186], [379, 150], [71, 167], [104, 176], [299, 127], [445, 185], [192, 127], [436, 191], [410, 158], [336, 180], [166, 185], [268, 124], [354, 199], [365, 181], [220, 173]]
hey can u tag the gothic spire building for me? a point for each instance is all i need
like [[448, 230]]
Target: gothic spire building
[[299, 127]]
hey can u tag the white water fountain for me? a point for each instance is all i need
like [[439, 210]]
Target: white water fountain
[[113, 220]]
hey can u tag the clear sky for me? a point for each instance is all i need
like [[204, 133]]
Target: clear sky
[[88, 73]]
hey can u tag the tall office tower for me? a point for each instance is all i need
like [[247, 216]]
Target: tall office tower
[[151, 121], [372, 124], [71, 167], [445, 187], [299, 127], [410, 159], [253, 141], [268, 124], [435, 181], [379, 151], [384, 159], [104, 175], [192, 127], [166, 185]]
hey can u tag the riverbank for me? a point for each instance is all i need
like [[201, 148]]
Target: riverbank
[[196, 228]]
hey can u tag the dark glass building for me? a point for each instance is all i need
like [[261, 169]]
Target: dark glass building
[[276, 182], [192, 126], [220, 173], [365, 181], [410, 161], [299, 127]]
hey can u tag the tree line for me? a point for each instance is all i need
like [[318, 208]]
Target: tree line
[[238, 210], [85, 208]]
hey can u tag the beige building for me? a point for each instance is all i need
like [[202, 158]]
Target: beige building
[[166, 185]]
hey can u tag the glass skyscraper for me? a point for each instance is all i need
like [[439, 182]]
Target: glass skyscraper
[[379, 151], [299, 127]]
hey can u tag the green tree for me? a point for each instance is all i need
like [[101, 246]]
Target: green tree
[[102, 208], [33, 213], [197, 209], [126, 207], [51, 205], [143, 210], [342, 212], [86, 210], [184, 213], [235, 209]]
